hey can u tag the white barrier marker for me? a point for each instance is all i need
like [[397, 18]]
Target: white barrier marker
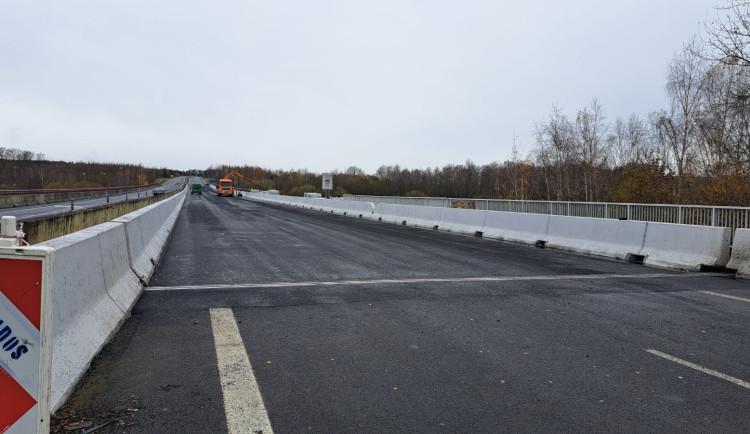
[[243, 404], [25, 339], [731, 297], [700, 368]]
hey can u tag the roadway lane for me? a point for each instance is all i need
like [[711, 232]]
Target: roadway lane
[[35, 211], [359, 326]]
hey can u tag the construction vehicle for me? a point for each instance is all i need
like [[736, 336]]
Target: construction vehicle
[[226, 186]]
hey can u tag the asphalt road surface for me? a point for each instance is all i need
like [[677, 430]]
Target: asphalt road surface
[[261, 317], [34, 211]]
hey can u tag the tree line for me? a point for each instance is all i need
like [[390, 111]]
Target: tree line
[[22, 170]]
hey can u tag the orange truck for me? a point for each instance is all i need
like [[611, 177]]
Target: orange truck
[[225, 187]]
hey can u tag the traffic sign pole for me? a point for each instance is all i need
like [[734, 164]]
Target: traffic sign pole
[[328, 183]]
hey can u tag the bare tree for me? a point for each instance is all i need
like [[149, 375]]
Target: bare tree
[[677, 129], [725, 122], [716, 119], [728, 35], [591, 131], [354, 171], [555, 151]]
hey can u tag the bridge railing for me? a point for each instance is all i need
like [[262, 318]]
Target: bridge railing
[[76, 190], [722, 216], [14, 198]]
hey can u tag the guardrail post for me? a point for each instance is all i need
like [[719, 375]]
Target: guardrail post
[[107, 198], [679, 214], [713, 216], [72, 206], [629, 214]]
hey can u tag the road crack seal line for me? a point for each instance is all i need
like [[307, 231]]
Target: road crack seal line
[[430, 280]]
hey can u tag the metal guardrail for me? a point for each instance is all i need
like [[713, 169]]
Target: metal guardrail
[[40, 229], [74, 190], [722, 216]]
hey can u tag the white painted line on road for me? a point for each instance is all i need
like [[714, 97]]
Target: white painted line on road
[[429, 280], [243, 404], [708, 371], [731, 297]]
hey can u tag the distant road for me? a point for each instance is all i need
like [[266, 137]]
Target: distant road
[[34, 211], [260, 315]]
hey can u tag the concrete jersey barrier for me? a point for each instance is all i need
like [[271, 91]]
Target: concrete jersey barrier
[[148, 230], [596, 236], [342, 207], [659, 244], [740, 259], [96, 286], [85, 315], [462, 221], [355, 209], [516, 227], [390, 213], [423, 216], [145, 239], [685, 246]]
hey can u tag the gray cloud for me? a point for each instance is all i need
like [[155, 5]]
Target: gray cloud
[[324, 84]]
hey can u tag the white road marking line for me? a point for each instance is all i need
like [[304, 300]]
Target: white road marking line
[[708, 371], [731, 297], [243, 404], [428, 280]]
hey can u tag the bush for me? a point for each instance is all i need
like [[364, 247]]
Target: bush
[[86, 184]]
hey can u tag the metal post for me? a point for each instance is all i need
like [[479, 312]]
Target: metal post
[[679, 214], [107, 198], [629, 214], [72, 206], [713, 216]]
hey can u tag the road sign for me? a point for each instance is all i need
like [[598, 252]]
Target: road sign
[[25, 338], [327, 181]]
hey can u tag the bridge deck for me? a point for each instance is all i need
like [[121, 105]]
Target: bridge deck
[[350, 325]]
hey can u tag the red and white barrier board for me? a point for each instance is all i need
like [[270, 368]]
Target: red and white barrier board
[[26, 281]]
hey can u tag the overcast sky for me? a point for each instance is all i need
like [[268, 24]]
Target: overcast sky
[[322, 84]]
